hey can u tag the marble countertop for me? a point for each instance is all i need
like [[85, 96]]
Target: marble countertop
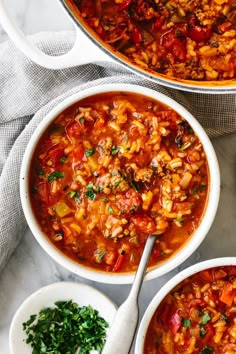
[[31, 268]]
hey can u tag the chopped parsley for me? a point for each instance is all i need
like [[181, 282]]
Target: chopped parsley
[[205, 319], [55, 175], [115, 150], [185, 322], [101, 254], [110, 209], [135, 185], [202, 187], [185, 146], [225, 318], [74, 195], [104, 200], [99, 189], [81, 120], [116, 184], [181, 220], [40, 172], [71, 194], [89, 152], [63, 159], [207, 350], [90, 194], [202, 332], [65, 328], [154, 168]]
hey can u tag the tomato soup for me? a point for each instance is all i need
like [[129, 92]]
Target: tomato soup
[[112, 169], [190, 40], [198, 316]]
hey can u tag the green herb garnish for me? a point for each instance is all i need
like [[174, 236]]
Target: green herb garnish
[[55, 175], [63, 159], [115, 150], [101, 254], [81, 120], [185, 146], [202, 332], [116, 184], [104, 200], [89, 152], [181, 220], [90, 194], [202, 187], [206, 318], [225, 318], [186, 323], [66, 328], [40, 172], [135, 185], [110, 209], [71, 194], [207, 350]]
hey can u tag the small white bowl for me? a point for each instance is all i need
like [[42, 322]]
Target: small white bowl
[[171, 284], [82, 294], [185, 251]]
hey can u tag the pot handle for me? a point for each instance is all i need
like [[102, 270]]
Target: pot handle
[[84, 50]]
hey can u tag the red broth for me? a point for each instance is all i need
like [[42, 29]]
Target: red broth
[[198, 316], [112, 169], [190, 40]]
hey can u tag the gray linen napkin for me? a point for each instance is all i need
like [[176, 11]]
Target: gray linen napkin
[[26, 88]]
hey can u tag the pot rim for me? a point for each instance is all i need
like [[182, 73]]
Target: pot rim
[[172, 283], [207, 87], [187, 249]]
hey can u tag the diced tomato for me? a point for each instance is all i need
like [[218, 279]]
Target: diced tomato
[[129, 202], [210, 332], [123, 6], [174, 41], [227, 294], [74, 129], [100, 118], [164, 314], [119, 263], [54, 154], [207, 275], [67, 231], [158, 23], [78, 152], [136, 36], [43, 191], [196, 303], [144, 223], [175, 322], [199, 33]]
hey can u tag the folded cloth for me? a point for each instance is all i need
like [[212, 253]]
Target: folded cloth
[[26, 88]]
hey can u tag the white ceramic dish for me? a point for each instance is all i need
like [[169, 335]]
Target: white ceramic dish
[[189, 247], [173, 282], [83, 295]]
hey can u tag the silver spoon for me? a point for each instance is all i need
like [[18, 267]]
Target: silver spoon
[[122, 332]]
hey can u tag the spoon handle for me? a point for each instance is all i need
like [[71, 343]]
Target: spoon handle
[[122, 332]]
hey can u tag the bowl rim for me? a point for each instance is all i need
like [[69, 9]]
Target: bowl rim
[[165, 289], [191, 244], [44, 296], [205, 87]]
